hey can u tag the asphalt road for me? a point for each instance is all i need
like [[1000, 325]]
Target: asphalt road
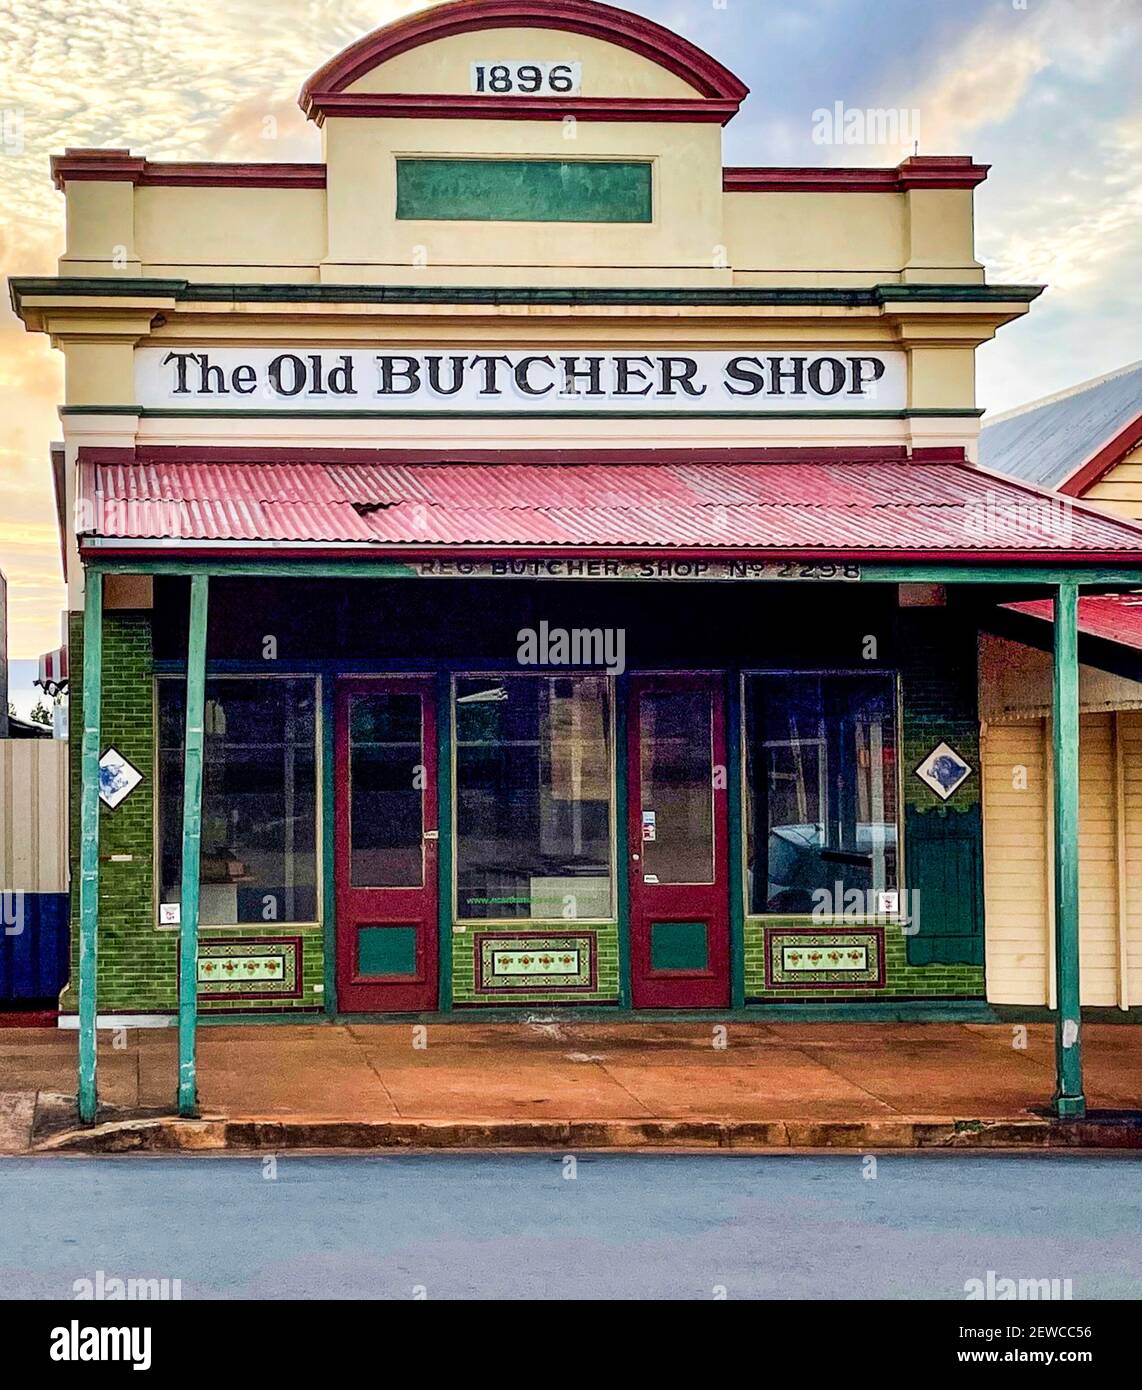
[[623, 1226]]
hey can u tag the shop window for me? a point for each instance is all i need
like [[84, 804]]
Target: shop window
[[259, 799], [821, 780], [533, 798]]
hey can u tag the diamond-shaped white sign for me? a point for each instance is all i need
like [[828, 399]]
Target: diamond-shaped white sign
[[117, 778], [943, 770]]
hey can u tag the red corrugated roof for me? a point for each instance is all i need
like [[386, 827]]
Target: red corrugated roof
[[828, 504], [1113, 617]]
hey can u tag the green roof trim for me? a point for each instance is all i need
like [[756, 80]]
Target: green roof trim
[[873, 296]]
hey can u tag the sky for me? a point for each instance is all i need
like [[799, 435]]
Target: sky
[[1046, 91]]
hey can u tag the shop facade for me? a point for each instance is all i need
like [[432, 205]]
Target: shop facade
[[518, 563]]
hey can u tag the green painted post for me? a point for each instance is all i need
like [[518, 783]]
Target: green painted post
[[736, 873], [1069, 1099], [444, 845], [622, 831], [89, 843], [191, 847], [328, 842]]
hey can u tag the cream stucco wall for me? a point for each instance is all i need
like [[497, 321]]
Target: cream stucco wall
[[367, 242], [100, 229], [839, 238], [940, 236], [231, 233], [349, 234]]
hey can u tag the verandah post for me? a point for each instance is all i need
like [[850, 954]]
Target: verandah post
[[89, 843], [1069, 1099], [191, 847]]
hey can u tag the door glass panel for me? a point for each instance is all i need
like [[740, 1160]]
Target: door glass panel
[[386, 779], [676, 733]]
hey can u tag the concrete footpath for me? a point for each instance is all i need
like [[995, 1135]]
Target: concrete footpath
[[556, 1083]]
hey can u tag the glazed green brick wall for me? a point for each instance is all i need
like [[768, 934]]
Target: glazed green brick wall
[[935, 650], [902, 981], [606, 947], [138, 962], [940, 694]]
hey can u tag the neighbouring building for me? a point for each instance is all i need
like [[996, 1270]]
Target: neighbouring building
[[1085, 442], [33, 857], [520, 563]]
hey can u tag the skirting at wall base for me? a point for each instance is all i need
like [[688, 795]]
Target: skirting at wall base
[[123, 1021]]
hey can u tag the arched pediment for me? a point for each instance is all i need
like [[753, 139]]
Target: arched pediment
[[641, 71]]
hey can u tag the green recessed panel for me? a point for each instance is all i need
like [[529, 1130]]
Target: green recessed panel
[[678, 946], [386, 951], [523, 190]]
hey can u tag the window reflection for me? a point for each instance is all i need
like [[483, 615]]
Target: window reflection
[[533, 797], [259, 799], [386, 779], [677, 785], [821, 780]]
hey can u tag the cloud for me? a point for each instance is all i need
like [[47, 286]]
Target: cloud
[[1048, 96], [166, 80]]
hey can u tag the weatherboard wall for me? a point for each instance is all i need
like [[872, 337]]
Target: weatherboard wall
[[1120, 490]]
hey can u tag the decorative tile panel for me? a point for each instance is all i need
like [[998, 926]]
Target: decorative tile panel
[[551, 963], [250, 968], [815, 959]]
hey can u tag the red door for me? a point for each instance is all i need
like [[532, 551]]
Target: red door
[[678, 843], [386, 845]]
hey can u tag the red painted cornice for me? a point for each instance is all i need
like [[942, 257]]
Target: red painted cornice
[[677, 55], [121, 166], [398, 105], [917, 171], [1095, 468]]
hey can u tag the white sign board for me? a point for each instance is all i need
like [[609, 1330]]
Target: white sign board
[[530, 381]]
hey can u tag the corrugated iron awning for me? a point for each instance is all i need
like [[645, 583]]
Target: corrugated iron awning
[[1112, 617], [857, 506]]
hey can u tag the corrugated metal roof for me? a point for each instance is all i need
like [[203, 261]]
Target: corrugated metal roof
[[1047, 440], [1113, 617], [828, 504]]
